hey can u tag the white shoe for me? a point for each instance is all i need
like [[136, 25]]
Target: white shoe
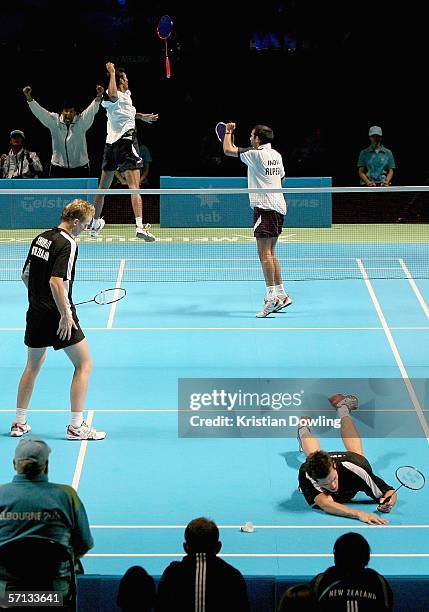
[[338, 400], [144, 233], [283, 302], [19, 429], [269, 307], [84, 432], [97, 226]]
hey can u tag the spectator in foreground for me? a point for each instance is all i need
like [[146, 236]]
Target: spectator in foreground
[[37, 507], [136, 591], [376, 163], [20, 162], [349, 584], [201, 581]]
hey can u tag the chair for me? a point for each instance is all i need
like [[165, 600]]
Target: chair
[[33, 562]]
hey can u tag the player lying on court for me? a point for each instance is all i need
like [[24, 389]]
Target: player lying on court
[[264, 169], [329, 479], [48, 275]]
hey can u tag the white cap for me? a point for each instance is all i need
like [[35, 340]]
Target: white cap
[[375, 130], [19, 132]]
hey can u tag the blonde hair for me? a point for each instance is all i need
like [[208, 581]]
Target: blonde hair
[[77, 209]]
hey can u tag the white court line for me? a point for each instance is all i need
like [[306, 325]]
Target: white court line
[[395, 351], [253, 329], [144, 259], [263, 329], [256, 329], [415, 288], [345, 526], [115, 295], [291, 555], [81, 456], [175, 410]]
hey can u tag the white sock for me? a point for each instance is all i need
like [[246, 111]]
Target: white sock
[[76, 419], [343, 411], [139, 222], [21, 416], [280, 290], [94, 223], [270, 293], [303, 429]]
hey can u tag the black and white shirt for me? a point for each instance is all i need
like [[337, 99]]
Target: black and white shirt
[[359, 591], [52, 253], [202, 582], [354, 474]]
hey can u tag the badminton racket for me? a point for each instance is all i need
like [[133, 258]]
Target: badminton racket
[[107, 296]]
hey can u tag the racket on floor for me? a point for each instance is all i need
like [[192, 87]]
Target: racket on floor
[[409, 477], [164, 29], [220, 130], [107, 296]]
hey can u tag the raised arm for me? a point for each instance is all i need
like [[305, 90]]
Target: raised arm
[[88, 115], [229, 147], [48, 119], [112, 90]]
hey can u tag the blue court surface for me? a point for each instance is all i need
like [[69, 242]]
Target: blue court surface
[[143, 484]]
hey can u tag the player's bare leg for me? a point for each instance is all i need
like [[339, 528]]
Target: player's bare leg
[[283, 298], [266, 257], [105, 182], [277, 270], [80, 357], [133, 181], [344, 404], [35, 359], [308, 442]]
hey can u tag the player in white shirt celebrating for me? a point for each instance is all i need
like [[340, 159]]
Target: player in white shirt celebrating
[[264, 169], [121, 151]]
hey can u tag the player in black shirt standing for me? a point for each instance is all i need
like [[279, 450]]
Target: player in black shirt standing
[[328, 480], [51, 317]]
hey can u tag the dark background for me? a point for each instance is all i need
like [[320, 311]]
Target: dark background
[[338, 68]]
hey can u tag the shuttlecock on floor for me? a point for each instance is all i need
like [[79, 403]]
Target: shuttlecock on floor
[[247, 528]]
